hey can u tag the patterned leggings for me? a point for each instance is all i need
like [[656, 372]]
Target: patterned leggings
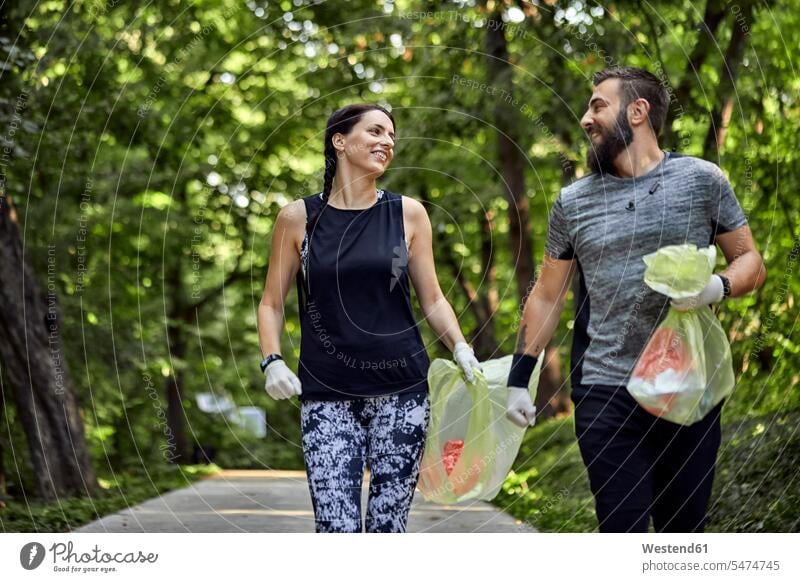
[[340, 438]]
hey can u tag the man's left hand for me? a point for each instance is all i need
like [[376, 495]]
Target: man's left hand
[[712, 293]]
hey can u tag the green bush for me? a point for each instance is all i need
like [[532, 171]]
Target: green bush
[[755, 488]]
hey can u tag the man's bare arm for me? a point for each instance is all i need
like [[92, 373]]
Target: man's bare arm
[[746, 271], [544, 305]]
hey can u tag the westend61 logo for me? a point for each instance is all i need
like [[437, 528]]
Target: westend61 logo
[[65, 559]]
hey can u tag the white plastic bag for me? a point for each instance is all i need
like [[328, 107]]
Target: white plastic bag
[[686, 368], [470, 445]]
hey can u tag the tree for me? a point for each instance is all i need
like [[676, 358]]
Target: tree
[[31, 345]]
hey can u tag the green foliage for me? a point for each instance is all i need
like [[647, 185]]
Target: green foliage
[[156, 146], [119, 491], [755, 486], [548, 487]]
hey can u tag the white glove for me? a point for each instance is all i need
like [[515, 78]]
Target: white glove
[[712, 293], [281, 383], [519, 409], [465, 358]]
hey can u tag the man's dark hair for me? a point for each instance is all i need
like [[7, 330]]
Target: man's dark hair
[[638, 83]]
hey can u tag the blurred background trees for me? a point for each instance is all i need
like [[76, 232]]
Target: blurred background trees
[[147, 148]]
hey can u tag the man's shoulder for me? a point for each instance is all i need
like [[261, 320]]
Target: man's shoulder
[[691, 164], [578, 187]]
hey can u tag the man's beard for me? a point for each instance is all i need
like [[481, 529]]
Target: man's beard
[[601, 155]]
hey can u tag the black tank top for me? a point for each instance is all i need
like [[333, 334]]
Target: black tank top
[[358, 333]]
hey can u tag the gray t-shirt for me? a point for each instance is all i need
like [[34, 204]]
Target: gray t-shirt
[[608, 224]]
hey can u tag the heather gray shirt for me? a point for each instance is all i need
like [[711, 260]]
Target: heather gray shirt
[[608, 224]]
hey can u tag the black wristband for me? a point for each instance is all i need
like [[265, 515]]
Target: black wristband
[[268, 360], [522, 366], [726, 286]]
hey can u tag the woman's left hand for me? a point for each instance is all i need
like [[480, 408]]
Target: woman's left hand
[[465, 358]]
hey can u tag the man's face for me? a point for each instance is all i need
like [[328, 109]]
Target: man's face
[[606, 124]]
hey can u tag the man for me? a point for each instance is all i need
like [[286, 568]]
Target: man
[[637, 199]]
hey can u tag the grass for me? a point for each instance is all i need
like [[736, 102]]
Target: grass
[[548, 487], [72, 512], [757, 485], [756, 488]]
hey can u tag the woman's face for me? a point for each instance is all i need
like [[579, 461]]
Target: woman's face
[[370, 145]]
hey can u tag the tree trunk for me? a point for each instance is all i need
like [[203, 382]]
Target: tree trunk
[[553, 397], [484, 339], [726, 92], [182, 315], [36, 370], [177, 443], [2, 448], [483, 309], [512, 162], [706, 43], [510, 154]]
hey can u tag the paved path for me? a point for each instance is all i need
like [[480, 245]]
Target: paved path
[[278, 501]]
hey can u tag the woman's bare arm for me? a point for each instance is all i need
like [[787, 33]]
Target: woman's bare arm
[[422, 270], [283, 265]]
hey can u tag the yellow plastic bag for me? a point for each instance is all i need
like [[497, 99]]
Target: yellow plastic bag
[[470, 444], [686, 368]]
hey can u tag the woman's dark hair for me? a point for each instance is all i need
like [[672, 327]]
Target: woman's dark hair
[[341, 121]]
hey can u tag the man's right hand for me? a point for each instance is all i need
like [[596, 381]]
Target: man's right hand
[[281, 382], [520, 409]]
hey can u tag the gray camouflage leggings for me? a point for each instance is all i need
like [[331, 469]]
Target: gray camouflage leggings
[[341, 438]]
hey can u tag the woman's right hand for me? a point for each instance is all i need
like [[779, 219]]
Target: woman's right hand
[[281, 382]]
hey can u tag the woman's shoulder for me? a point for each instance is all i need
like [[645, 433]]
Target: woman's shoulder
[[293, 215], [412, 208]]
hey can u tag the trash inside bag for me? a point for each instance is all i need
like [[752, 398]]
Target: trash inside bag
[[686, 368], [470, 444], [452, 452]]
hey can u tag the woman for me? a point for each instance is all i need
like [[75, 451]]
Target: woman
[[363, 367]]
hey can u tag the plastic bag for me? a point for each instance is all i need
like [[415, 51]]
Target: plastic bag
[[686, 368], [470, 444]]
